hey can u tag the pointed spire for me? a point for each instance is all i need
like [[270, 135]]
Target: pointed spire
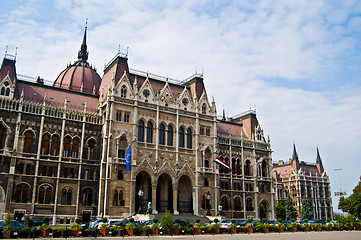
[[224, 115], [318, 158], [83, 53], [294, 155]]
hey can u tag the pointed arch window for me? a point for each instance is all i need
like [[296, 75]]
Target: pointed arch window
[[87, 197], [170, 135], [140, 131], [248, 168], [75, 148], [189, 138], [44, 194], [225, 203], [54, 148], [2, 136], [161, 134], [7, 92], [123, 92], [91, 149], [249, 204], [22, 193], [204, 108], [3, 91], [66, 195], [67, 141], [28, 142], [118, 199], [45, 144], [181, 137], [237, 204], [149, 132]]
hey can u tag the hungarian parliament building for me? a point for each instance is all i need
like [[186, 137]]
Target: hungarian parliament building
[[90, 146]]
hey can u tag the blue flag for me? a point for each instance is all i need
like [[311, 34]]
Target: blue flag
[[128, 157]]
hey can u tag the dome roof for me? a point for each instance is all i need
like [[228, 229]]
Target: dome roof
[[80, 76]]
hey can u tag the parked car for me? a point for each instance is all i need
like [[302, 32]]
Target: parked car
[[273, 222], [37, 222], [17, 225], [95, 223]]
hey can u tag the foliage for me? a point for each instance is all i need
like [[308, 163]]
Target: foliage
[[233, 225], [233, 220], [176, 220], [291, 211], [250, 225], [264, 220], [75, 226], [281, 225], [130, 226], [117, 228], [7, 221], [280, 211], [216, 220], [104, 220], [60, 228], [29, 221], [249, 220], [197, 220], [197, 225], [262, 211], [145, 227], [176, 226], [91, 229], [131, 220], [293, 220], [78, 220], [44, 226], [104, 226], [46, 220], [188, 223], [155, 226], [259, 226], [352, 204], [25, 230], [306, 211], [155, 220], [166, 220], [216, 225]]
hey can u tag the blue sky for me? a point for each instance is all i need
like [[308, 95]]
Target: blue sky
[[298, 62]]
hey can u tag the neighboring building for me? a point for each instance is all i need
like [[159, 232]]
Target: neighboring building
[[299, 180], [242, 145], [63, 147]]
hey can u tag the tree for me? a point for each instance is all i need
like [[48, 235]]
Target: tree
[[352, 204], [291, 211], [306, 212], [262, 211], [280, 211]]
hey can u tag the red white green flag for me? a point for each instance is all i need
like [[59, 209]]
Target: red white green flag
[[223, 164]]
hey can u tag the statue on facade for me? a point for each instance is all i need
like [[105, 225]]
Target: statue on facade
[[220, 210], [149, 208]]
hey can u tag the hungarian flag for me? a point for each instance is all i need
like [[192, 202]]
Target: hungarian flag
[[223, 164]]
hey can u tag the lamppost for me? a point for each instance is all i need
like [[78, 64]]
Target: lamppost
[[140, 194], [208, 197]]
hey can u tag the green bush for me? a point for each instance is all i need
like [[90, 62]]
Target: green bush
[[216, 220], [7, 222], [167, 220], [155, 225], [46, 220], [117, 228], [78, 220], [44, 226], [197, 220], [103, 226], [131, 220], [130, 226], [176, 226], [75, 226], [145, 227], [155, 220], [249, 220], [197, 225], [104, 220]]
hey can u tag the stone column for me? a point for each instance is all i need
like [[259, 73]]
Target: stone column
[[154, 198], [175, 200]]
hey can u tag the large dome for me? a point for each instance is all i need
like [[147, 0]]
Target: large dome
[[80, 76]]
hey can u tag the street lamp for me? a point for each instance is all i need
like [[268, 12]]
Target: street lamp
[[209, 196], [140, 194]]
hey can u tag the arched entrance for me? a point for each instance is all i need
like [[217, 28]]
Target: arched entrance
[[185, 199], [143, 182], [264, 210], [164, 193]]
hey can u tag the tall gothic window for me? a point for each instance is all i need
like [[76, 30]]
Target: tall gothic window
[[225, 203], [170, 136], [91, 149], [87, 197], [189, 138], [54, 148], [249, 205], [22, 193], [181, 137], [75, 148], [66, 195], [140, 131], [2, 137], [149, 132], [237, 204], [123, 92], [44, 194], [161, 134], [45, 144], [28, 142], [248, 168], [204, 108], [118, 199], [67, 141]]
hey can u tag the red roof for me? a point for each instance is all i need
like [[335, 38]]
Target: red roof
[[231, 130]]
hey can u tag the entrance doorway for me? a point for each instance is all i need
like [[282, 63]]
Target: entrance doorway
[[164, 193], [185, 199]]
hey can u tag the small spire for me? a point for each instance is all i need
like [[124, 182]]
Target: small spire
[[318, 158], [294, 155], [224, 115], [83, 53]]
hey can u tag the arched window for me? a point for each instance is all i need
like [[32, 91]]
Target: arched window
[[204, 108], [54, 148], [3, 91], [45, 144], [44, 195], [234, 166], [22, 193], [75, 148], [149, 132], [7, 92], [181, 137], [118, 198], [189, 138], [248, 168], [91, 149], [66, 195], [225, 203], [28, 142], [140, 131], [2, 136], [238, 170], [87, 197], [237, 204], [67, 141], [264, 168], [170, 136], [123, 92], [249, 205], [161, 134]]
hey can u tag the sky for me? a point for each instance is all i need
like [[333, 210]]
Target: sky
[[297, 63]]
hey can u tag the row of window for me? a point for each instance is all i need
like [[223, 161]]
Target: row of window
[[165, 135], [5, 89], [118, 116]]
